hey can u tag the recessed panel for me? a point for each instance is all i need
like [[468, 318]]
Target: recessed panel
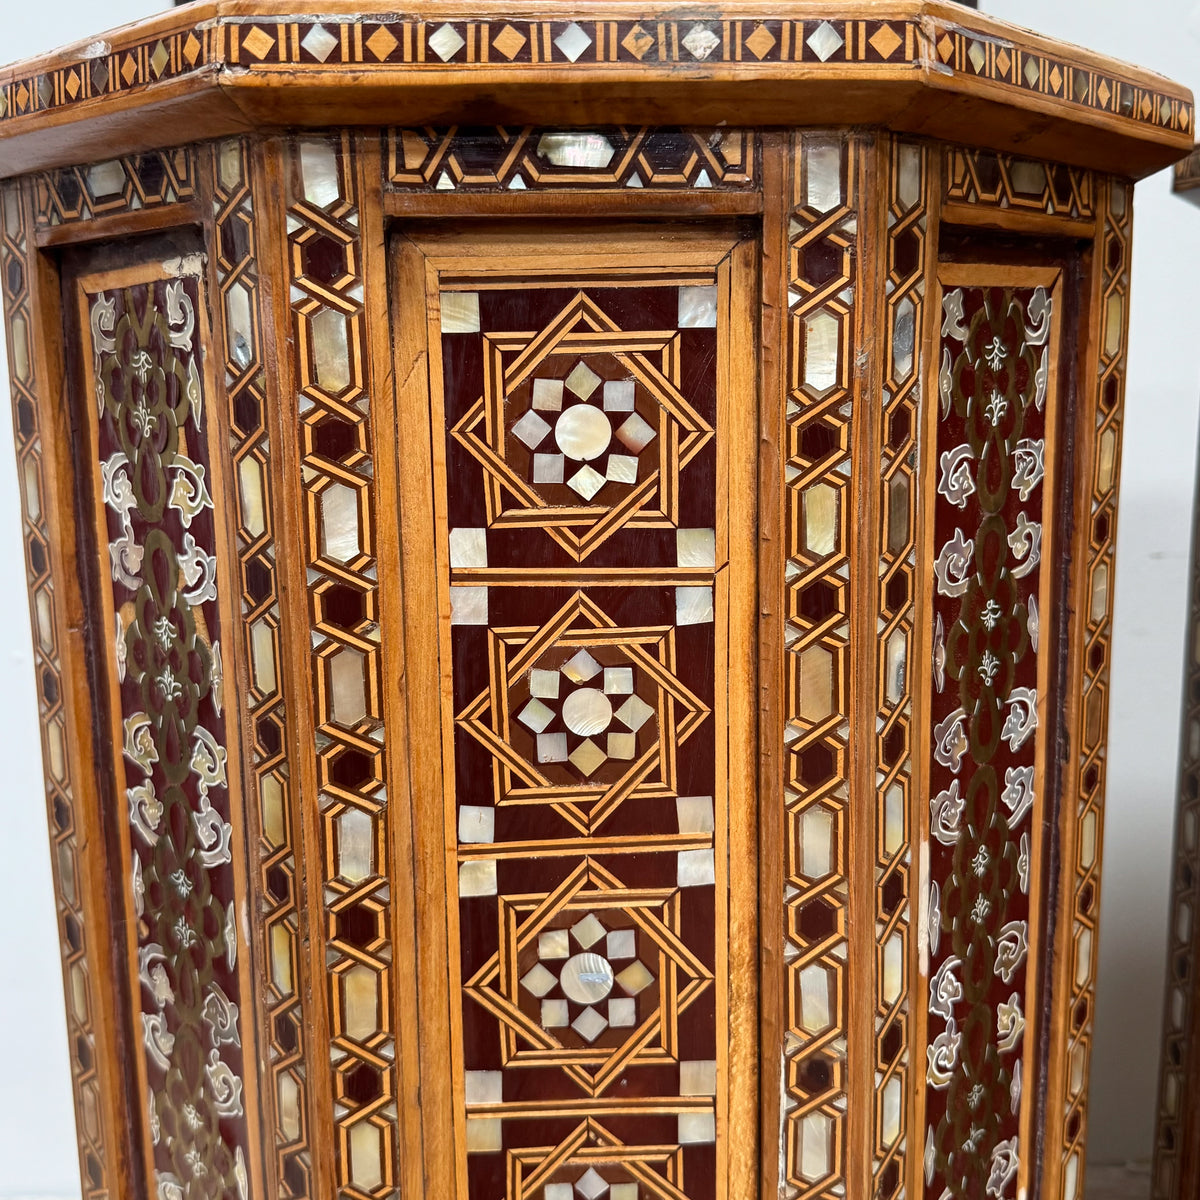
[[987, 791], [585, 549], [159, 539]]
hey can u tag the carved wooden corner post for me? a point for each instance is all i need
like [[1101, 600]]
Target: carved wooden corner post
[[571, 613]]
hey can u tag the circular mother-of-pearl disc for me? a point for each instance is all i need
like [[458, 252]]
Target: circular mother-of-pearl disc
[[587, 712], [587, 978], [582, 432]]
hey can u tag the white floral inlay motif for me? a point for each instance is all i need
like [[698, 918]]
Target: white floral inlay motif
[[956, 482], [952, 568], [1011, 947], [1010, 1023], [946, 809], [945, 990], [942, 1054]]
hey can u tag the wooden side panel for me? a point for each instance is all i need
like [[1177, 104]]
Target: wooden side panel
[[588, 406], [991, 428], [46, 481], [162, 609], [1104, 366], [1177, 1137]]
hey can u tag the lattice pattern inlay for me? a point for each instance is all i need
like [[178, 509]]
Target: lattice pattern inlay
[[898, 438], [523, 158], [823, 274], [988, 180], [285, 1025], [1082, 875], [337, 472], [71, 195]]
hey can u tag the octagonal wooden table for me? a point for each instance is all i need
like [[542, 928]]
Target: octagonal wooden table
[[570, 552]]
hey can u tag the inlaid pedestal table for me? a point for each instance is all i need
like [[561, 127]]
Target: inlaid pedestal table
[[570, 554]]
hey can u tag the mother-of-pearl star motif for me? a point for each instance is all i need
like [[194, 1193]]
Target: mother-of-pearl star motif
[[598, 706], [601, 978], [588, 977], [579, 442], [561, 660], [582, 429]]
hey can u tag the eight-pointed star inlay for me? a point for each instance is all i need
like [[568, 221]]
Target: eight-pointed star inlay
[[591, 1163], [621, 749], [663, 977], [582, 429]]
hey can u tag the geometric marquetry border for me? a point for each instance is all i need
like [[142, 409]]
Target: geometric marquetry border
[[524, 158], [182, 47], [129, 184], [909, 179], [336, 480], [985, 179], [1081, 877], [285, 981], [825, 201]]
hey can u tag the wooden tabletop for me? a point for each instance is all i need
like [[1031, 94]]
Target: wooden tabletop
[[930, 67]]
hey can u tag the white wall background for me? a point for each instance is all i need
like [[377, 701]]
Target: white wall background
[[37, 1121], [37, 1152]]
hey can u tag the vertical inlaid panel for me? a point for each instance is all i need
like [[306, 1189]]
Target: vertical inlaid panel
[[150, 423], [993, 417], [91, 1071], [358, 874], [1177, 1135], [823, 273], [586, 505], [285, 1028]]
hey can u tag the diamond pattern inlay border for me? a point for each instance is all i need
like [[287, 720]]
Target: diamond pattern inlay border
[[699, 40]]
